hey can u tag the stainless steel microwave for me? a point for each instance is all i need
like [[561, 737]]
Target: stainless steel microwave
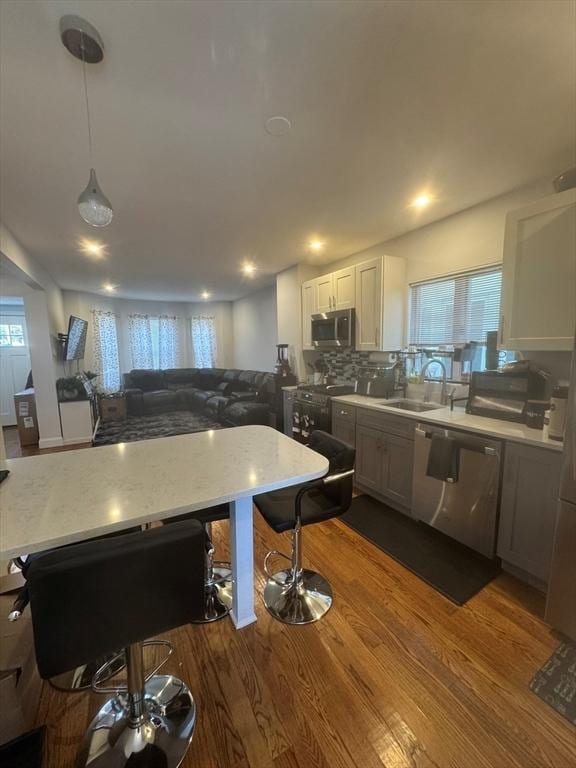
[[333, 329]]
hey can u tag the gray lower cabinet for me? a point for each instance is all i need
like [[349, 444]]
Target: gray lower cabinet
[[528, 508], [369, 457], [397, 476], [344, 423], [384, 464]]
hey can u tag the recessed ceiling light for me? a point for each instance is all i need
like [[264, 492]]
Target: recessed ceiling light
[[316, 245], [278, 125], [109, 288], [93, 248], [422, 201], [206, 294], [248, 268]]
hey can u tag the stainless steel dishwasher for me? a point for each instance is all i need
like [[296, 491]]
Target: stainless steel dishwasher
[[466, 510]]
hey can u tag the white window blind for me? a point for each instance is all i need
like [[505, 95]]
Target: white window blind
[[456, 309]]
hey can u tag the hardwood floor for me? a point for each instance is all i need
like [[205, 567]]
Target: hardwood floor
[[394, 675], [15, 451]]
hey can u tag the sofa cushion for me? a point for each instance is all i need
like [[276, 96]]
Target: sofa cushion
[[198, 397], [241, 413], [177, 378], [159, 401], [147, 381], [216, 404]]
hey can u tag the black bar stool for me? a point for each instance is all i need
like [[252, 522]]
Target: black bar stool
[[218, 573], [296, 595], [79, 679], [89, 599]]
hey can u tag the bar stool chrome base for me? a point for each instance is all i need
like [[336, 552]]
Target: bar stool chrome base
[[80, 679], [159, 737], [300, 600], [217, 594]]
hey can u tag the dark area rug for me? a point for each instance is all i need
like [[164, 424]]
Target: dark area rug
[[23, 752], [450, 567], [147, 427], [555, 683]]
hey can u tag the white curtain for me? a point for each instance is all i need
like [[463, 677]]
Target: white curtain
[[204, 341], [168, 342], [140, 335], [105, 348]]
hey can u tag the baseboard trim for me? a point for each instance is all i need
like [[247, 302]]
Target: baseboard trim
[[523, 575], [77, 440], [50, 442]]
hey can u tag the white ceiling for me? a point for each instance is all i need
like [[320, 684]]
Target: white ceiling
[[468, 98]]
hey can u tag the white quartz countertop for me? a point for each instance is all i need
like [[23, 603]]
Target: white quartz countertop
[[459, 419], [61, 498]]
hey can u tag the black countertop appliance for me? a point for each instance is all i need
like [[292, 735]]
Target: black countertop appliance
[[503, 394]]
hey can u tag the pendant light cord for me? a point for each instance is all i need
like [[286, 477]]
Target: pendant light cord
[[87, 102]]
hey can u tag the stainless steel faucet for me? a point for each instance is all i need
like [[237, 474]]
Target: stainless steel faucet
[[443, 399]]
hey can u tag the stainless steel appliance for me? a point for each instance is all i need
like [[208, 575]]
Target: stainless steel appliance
[[333, 329], [376, 381], [465, 508], [311, 408], [561, 598], [503, 394]]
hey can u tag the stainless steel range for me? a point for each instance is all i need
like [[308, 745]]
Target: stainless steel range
[[312, 409]]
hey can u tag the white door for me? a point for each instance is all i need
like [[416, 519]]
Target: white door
[[308, 309], [324, 293], [369, 304], [14, 364], [539, 275], [344, 286]]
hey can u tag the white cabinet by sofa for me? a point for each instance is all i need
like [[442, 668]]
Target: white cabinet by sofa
[[380, 298], [538, 310], [77, 421]]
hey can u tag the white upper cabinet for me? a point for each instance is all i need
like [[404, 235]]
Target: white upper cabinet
[[308, 309], [343, 285], [375, 289], [369, 304], [539, 275], [380, 303], [324, 293]]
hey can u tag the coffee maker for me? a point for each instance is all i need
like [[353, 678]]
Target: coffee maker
[[282, 367]]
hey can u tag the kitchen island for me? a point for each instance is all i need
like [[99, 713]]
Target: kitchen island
[[62, 498]]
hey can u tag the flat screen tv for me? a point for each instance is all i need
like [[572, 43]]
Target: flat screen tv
[[76, 341]]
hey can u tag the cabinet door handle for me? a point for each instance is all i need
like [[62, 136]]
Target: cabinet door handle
[[376, 335], [330, 302], [334, 301]]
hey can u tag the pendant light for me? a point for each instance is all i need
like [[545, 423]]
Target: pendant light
[[83, 41]]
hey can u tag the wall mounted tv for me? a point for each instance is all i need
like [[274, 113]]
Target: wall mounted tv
[[76, 340]]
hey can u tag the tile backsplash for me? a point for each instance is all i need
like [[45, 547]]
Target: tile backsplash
[[344, 363]]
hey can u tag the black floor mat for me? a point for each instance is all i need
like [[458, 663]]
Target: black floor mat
[[450, 567], [23, 752]]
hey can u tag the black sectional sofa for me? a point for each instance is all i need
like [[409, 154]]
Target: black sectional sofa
[[231, 397]]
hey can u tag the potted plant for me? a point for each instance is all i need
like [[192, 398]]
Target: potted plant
[[70, 388]]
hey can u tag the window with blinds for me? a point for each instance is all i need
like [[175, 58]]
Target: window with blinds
[[456, 309]]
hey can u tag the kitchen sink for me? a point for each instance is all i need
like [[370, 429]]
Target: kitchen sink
[[411, 405]]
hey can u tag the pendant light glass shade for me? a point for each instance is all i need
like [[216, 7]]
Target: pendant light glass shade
[[93, 204]]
